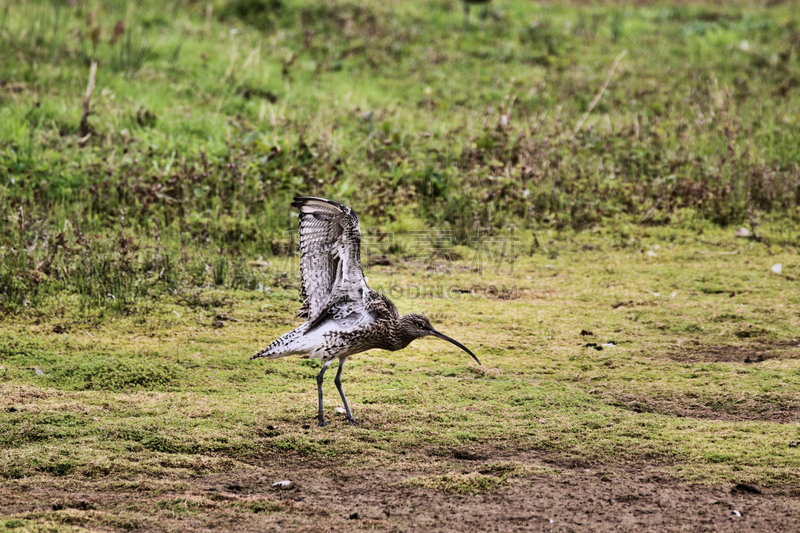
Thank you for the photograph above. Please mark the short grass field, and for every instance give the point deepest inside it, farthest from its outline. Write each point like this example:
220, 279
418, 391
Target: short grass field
158, 421
600, 199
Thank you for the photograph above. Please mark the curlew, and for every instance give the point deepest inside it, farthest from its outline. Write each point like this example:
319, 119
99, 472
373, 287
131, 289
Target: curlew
343, 315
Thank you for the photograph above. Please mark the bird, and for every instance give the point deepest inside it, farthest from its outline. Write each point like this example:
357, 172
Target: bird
343, 315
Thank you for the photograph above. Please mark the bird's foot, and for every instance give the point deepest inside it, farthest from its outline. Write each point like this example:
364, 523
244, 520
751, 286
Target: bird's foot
321, 421
353, 421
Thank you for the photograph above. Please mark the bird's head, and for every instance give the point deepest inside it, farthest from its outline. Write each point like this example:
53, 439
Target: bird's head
416, 326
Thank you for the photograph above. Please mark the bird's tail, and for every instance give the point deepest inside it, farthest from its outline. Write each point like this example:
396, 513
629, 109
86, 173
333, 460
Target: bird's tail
283, 346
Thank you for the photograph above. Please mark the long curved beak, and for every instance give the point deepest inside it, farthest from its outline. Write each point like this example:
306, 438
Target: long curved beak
448, 339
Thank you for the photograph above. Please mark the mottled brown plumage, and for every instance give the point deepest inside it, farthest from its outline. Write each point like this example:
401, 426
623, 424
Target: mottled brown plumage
343, 315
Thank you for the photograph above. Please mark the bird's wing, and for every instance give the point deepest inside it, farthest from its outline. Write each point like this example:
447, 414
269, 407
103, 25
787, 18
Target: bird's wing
382, 307
330, 263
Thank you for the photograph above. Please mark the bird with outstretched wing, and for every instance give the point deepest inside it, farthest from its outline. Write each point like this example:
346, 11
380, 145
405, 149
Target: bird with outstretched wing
343, 315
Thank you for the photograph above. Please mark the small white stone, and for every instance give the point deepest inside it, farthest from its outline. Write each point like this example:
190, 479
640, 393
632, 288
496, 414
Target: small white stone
340, 410
736, 513
283, 485
777, 268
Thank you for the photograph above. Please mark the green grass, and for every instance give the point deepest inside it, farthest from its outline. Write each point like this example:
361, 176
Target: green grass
208, 117
153, 400
166, 390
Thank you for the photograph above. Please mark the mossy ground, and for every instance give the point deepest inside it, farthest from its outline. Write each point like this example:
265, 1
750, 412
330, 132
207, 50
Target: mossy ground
162, 399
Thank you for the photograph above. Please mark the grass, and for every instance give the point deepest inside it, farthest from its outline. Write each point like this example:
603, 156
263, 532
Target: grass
164, 396
208, 117
143, 261
165, 389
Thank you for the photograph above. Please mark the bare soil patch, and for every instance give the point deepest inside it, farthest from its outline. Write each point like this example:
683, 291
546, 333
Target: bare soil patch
723, 407
329, 497
738, 353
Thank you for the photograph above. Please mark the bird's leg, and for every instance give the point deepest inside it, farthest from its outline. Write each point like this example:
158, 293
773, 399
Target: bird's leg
338, 381
320, 414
